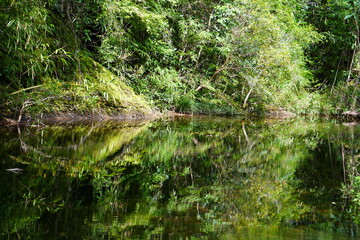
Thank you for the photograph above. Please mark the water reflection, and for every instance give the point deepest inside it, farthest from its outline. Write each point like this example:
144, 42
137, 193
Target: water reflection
189, 178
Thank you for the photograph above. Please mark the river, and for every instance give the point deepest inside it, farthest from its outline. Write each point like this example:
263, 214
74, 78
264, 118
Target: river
181, 178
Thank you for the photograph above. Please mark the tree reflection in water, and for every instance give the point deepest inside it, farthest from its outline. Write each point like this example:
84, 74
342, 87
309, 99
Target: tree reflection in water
199, 178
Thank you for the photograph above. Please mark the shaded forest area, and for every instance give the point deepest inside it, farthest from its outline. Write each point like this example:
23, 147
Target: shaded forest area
199, 56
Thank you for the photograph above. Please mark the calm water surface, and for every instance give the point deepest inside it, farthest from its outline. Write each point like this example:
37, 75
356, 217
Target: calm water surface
185, 178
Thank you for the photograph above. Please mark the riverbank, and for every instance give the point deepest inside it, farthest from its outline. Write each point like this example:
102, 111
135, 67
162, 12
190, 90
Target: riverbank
62, 117
117, 58
101, 115
95, 94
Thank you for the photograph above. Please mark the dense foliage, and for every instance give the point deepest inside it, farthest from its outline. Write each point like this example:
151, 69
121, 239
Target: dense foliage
335, 60
198, 56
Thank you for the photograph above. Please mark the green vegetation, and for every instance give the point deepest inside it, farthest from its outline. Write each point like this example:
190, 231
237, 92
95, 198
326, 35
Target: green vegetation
335, 60
212, 57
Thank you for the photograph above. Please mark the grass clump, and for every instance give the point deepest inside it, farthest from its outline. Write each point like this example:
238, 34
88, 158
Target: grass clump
95, 90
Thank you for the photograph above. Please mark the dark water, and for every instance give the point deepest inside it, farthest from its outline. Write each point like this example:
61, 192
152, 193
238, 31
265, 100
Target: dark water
188, 178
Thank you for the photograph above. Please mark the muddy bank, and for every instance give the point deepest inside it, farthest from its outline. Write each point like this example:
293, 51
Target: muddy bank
70, 117
61, 118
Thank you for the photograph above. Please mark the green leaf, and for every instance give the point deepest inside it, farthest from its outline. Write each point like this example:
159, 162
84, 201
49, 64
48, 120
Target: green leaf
348, 16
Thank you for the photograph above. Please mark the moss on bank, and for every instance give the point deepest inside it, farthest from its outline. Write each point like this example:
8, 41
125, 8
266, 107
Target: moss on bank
94, 91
